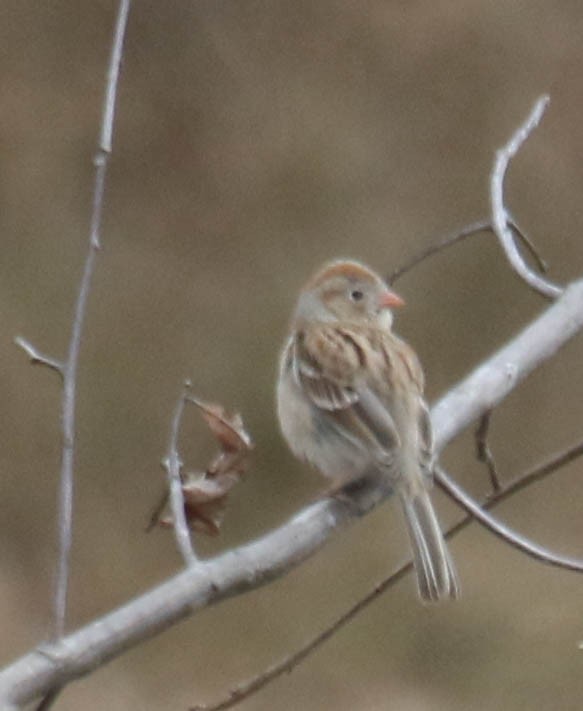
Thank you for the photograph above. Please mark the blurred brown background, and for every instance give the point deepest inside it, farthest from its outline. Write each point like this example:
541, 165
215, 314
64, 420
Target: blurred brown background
253, 141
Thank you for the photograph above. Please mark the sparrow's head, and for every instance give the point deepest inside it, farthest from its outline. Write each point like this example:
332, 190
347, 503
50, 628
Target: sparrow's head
347, 291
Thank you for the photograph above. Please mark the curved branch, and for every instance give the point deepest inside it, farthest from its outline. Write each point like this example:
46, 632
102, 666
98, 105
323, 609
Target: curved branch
278, 552
505, 533
500, 218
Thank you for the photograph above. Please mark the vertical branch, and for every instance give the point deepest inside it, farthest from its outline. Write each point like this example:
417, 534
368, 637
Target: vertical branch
70, 367
173, 465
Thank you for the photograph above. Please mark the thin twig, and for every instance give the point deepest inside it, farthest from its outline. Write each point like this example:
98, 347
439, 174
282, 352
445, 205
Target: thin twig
49, 700
560, 459
483, 451
70, 366
520, 234
38, 358
157, 511
173, 465
500, 216
516, 540
248, 688
475, 228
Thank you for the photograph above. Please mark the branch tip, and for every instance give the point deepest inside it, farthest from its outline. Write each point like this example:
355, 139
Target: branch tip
500, 216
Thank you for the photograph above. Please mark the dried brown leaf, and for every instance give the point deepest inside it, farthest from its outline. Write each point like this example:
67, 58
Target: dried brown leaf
227, 427
206, 493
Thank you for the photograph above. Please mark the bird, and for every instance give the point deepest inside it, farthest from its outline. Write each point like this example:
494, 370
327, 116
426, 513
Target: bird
350, 403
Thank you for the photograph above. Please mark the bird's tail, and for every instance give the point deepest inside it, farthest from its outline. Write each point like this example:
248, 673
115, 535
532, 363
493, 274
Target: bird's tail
436, 575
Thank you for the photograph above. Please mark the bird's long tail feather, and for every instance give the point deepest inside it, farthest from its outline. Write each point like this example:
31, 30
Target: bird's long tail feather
436, 575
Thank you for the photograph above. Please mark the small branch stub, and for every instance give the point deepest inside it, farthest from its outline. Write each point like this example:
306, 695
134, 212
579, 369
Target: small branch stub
38, 358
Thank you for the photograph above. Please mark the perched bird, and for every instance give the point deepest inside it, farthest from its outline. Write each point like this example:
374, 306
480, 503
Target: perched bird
350, 402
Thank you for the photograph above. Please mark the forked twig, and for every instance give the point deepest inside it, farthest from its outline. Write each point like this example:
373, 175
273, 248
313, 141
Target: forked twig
248, 688
500, 218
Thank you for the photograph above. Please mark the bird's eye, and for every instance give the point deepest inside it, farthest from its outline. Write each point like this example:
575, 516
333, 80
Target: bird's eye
356, 295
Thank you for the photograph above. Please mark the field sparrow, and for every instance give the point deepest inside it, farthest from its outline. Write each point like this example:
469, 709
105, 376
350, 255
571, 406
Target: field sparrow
350, 402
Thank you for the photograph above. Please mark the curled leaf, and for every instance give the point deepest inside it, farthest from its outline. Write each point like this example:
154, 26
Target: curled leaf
206, 492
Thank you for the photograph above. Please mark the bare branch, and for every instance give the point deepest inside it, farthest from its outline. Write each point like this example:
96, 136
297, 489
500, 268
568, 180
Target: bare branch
560, 459
499, 529
71, 364
500, 218
290, 662
521, 235
483, 451
38, 358
475, 228
154, 519
173, 465
278, 552
449, 240
106, 134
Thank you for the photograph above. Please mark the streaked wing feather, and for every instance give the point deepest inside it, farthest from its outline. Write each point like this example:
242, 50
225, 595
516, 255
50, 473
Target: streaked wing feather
354, 408
426, 451
323, 391
377, 419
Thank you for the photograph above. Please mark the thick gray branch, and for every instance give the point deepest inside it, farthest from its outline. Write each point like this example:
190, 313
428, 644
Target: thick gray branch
278, 552
491, 382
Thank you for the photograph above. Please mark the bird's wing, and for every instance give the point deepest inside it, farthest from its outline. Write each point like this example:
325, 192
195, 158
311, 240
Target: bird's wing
411, 369
335, 384
426, 451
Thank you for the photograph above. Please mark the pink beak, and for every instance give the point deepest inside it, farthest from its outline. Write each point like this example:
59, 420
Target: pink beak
390, 300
